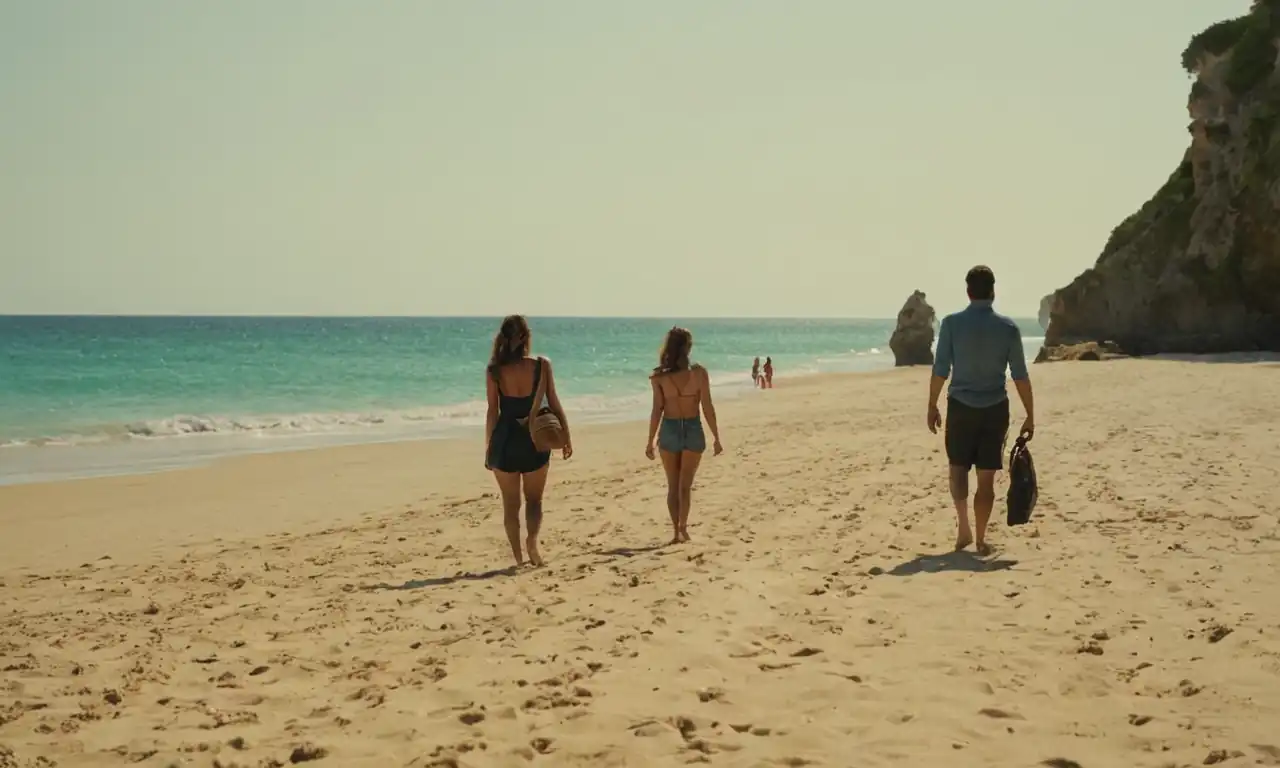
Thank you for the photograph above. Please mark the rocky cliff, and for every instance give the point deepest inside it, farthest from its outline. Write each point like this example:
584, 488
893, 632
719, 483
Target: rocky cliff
1197, 268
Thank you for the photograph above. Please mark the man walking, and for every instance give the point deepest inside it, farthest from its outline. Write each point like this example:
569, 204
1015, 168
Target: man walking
975, 346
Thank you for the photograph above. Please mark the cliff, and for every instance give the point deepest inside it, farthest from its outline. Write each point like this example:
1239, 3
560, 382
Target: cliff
1197, 268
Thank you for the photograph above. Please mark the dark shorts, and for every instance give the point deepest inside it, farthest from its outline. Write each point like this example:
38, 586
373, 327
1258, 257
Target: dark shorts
679, 435
511, 450
976, 436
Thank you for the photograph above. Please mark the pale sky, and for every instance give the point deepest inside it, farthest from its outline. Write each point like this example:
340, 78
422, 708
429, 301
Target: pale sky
597, 157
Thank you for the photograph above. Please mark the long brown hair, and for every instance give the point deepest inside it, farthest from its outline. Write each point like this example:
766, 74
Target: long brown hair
511, 343
675, 351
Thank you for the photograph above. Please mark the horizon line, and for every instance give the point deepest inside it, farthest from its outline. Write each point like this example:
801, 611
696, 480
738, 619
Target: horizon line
344, 316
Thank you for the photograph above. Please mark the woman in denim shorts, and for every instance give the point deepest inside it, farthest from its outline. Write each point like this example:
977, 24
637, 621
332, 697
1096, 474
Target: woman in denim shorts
680, 391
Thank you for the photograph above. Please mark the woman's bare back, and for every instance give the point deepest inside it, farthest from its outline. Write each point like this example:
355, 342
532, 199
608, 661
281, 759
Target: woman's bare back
682, 392
516, 379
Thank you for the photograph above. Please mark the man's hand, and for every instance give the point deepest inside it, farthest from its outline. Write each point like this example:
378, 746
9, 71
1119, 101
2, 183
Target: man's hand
1028, 428
934, 418
717, 447
648, 451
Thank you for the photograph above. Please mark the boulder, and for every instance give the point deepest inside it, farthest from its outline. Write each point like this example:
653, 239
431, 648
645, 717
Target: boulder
1089, 350
912, 340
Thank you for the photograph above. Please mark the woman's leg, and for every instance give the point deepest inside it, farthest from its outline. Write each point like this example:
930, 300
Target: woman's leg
534, 484
509, 484
671, 465
689, 461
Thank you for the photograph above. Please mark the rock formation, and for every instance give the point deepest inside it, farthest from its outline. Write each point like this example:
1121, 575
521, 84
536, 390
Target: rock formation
1046, 306
1089, 350
1197, 268
912, 340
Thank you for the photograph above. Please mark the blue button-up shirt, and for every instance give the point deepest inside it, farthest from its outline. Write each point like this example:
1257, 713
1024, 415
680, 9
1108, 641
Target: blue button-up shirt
977, 344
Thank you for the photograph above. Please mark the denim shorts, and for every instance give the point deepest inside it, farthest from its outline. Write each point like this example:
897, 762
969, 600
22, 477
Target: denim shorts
677, 435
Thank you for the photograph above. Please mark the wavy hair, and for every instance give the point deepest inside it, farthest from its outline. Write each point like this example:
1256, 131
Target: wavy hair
675, 351
512, 343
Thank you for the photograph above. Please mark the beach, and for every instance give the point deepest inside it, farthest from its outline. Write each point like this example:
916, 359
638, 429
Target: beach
349, 606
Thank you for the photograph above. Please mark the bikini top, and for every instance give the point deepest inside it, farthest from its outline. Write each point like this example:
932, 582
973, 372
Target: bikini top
680, 393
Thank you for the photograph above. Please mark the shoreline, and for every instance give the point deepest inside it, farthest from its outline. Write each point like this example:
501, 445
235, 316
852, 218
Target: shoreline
138, 455
26, 462
367, 475
373, 477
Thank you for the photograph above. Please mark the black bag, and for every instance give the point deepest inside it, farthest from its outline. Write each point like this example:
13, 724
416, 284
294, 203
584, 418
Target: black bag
1023, 490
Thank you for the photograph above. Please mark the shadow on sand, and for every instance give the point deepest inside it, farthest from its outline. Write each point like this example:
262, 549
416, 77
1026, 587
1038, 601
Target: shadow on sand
1268, 359
951, 561
444, 580
629, 551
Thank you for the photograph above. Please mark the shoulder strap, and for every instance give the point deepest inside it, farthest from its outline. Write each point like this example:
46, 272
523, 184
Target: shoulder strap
695, 371
539, 386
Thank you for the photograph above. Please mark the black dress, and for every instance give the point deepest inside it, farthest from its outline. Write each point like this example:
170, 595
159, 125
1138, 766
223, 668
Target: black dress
511, 447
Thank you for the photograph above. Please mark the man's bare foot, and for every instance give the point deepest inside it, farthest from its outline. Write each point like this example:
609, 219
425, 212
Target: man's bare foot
963, 540
984, 548
535, 557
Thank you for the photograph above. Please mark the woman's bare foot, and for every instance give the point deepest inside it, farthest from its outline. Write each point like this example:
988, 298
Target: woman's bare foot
683, 535
675, 538
984, 548
964, 539
535, 557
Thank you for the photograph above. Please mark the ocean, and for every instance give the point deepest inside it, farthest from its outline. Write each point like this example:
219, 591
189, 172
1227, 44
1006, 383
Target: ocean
84, 396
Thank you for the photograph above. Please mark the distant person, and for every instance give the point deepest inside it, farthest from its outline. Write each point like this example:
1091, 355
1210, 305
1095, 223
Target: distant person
679, 389
511, 380
768, 374
977, 344
755, 373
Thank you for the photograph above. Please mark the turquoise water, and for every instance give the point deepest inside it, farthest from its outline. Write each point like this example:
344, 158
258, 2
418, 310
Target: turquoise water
110, 381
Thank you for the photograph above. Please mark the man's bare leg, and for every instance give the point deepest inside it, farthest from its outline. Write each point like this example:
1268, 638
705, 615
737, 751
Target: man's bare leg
984, 499
960, 495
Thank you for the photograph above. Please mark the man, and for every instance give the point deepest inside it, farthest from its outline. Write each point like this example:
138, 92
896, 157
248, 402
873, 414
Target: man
976, 344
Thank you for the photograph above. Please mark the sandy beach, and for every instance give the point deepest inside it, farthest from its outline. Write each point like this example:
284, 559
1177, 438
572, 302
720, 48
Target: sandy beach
349, 607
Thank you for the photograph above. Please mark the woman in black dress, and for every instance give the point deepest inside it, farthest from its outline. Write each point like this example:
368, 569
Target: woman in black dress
511, 382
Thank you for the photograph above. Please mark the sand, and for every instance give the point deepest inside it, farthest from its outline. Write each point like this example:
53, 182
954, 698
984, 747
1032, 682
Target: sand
347, 607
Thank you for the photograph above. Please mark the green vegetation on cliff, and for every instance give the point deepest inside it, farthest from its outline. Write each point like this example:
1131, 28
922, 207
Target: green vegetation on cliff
1250, 41
1171, 208
1216, 40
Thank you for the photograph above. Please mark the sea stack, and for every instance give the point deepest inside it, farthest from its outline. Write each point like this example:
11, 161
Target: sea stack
912, 340
1197, 268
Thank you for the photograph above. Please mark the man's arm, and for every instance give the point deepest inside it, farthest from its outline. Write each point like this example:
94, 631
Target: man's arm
1022, 381
941, 370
